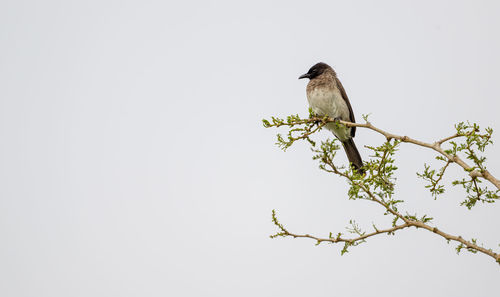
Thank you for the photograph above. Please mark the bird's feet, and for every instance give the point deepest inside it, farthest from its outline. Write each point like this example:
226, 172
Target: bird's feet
337, 119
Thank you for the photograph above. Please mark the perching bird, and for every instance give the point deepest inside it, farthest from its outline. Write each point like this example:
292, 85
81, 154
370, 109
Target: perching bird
327, 97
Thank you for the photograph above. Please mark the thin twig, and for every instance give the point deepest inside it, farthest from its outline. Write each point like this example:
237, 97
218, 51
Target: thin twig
448, 138
441, 174
350, 240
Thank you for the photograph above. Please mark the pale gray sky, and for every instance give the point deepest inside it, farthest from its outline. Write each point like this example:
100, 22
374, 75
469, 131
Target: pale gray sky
134, 163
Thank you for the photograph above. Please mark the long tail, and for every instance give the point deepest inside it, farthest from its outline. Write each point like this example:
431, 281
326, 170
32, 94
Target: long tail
353, 155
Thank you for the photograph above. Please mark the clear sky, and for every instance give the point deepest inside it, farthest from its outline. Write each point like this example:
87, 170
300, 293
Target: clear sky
133, 161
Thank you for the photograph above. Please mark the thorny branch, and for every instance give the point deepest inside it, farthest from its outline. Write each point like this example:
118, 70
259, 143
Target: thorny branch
471, 246
377, 185
436, 146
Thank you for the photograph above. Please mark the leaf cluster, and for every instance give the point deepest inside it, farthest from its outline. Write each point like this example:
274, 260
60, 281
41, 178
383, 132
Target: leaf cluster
470, 141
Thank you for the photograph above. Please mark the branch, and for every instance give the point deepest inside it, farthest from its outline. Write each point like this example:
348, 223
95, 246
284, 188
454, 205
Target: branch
408, 220
377, 183
351, 240
408, 223
436, 146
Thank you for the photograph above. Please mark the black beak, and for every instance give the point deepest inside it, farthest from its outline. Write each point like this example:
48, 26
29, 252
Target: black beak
304, 76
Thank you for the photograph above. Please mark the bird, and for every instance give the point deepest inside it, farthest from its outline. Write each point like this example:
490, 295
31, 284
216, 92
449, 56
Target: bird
327, 97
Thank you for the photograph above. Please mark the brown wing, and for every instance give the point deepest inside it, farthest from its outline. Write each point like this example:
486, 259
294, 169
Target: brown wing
346, 99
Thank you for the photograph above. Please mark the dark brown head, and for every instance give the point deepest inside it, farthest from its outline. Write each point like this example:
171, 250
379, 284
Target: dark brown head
316, 70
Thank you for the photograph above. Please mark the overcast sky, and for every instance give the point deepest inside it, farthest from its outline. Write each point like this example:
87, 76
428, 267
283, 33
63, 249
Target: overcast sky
133, 161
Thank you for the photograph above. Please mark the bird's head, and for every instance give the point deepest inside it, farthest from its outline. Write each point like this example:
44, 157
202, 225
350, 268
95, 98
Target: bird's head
316, 70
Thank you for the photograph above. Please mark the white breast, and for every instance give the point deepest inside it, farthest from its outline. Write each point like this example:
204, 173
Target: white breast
329, 101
